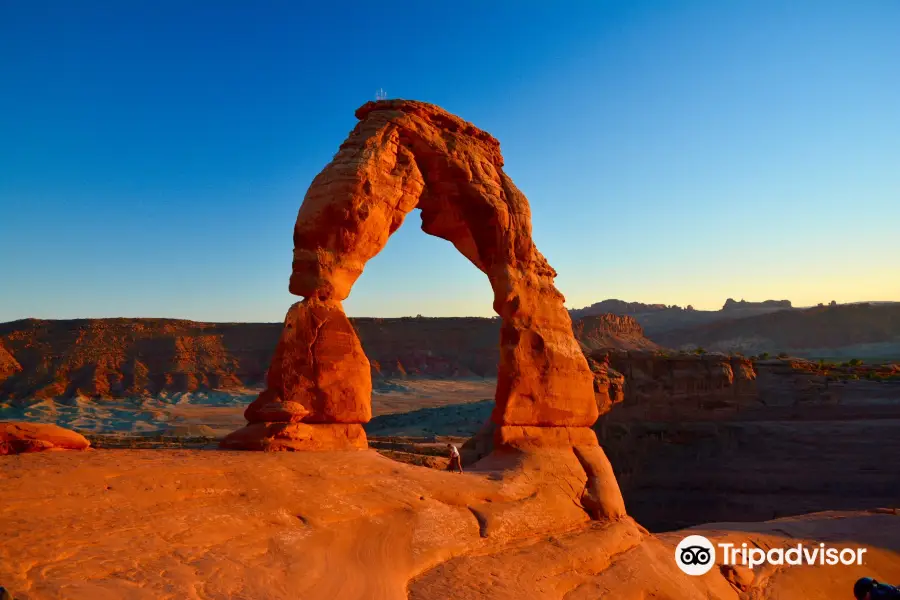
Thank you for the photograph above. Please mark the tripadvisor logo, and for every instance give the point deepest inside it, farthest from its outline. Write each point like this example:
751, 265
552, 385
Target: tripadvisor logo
696, 555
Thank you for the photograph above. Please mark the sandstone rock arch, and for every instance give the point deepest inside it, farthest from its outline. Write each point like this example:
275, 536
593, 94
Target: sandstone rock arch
400, 156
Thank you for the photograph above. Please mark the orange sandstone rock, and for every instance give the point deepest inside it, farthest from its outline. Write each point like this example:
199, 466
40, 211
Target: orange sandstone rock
404, 155
602, 496
272, 437
319, 374
529, 438
21, 437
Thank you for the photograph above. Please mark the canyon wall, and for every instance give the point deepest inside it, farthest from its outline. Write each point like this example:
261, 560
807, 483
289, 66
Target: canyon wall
715, 438
112, 358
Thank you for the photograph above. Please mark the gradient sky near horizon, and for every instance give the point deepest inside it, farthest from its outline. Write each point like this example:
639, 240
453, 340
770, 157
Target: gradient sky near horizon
153, 154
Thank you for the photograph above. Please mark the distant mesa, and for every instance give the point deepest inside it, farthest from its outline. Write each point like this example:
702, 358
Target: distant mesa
731, 304
841, 331
657, 319
618, 307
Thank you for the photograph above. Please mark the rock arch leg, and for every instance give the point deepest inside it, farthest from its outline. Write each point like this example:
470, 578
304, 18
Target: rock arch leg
318, 387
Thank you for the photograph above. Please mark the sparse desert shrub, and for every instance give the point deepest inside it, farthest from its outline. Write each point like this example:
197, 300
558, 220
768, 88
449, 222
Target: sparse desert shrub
782, 355
699, 350
764, 355
854, 362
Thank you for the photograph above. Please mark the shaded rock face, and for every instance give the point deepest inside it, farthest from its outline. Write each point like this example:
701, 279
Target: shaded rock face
609, 385
850, 331
8, 364
659, 385
782, 438
20, 437
405, 155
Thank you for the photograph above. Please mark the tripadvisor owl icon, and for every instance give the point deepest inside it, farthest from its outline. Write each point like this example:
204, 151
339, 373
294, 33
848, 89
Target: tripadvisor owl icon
695, 555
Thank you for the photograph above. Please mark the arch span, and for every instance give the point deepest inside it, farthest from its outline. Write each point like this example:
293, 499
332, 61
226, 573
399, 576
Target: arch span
400, 156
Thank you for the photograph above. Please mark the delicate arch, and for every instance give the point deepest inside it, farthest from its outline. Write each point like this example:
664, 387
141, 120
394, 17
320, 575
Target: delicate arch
404, 155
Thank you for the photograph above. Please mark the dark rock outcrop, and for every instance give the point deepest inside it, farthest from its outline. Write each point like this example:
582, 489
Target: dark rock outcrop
731, 304
717, 438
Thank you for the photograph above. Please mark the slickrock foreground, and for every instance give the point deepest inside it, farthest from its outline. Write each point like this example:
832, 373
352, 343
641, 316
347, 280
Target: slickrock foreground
405, 155
167, 525
17, 437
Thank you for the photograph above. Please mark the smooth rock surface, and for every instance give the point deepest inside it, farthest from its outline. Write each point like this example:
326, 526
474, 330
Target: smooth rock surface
18, 437
209, 525
274, 437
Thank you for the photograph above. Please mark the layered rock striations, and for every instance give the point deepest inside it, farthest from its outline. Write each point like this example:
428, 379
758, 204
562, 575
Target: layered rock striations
405, 155
659, 385
120, 358
318, 387
716, 438
116, 358
611, 332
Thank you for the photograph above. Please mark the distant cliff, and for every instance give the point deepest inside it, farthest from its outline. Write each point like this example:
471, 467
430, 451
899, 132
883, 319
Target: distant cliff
617, 307
611, 332
111, 358
730, 304
657, 319
845, 330
700, 438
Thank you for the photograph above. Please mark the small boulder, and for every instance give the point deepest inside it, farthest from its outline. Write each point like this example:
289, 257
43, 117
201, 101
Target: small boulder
17, 437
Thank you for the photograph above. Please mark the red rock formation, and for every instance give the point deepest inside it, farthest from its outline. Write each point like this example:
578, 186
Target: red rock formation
21, 437
272, 437
115, 358
658, 385
611, 332
320, 373
609, 385
8, 364
405, 155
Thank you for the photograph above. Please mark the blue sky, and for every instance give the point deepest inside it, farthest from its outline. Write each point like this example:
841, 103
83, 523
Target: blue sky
153, 154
